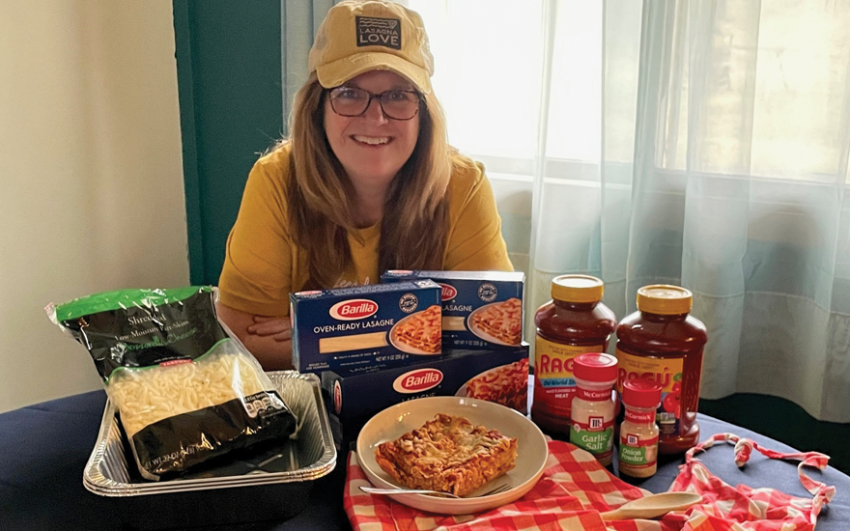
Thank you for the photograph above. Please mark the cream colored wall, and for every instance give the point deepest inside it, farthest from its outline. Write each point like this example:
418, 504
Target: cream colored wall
91, 180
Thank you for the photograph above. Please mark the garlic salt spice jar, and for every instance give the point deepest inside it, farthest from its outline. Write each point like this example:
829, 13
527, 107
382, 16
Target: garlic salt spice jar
592, 422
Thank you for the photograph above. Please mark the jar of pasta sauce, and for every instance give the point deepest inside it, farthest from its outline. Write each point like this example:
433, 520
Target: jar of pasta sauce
572, 323
662, 343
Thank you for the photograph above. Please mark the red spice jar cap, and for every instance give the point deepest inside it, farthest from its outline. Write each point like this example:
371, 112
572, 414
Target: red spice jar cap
595, 367
641, 392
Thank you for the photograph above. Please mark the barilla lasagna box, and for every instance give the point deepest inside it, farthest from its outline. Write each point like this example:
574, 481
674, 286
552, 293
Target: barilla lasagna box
481, 309
497, 375
365, 328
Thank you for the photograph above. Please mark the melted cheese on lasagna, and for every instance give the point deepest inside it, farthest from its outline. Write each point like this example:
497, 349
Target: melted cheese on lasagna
448, 454
502, 321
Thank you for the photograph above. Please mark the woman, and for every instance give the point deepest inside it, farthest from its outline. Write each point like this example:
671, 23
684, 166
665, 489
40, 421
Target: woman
366, 182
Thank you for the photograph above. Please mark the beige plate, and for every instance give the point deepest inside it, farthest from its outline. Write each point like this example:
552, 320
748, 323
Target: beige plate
394, 421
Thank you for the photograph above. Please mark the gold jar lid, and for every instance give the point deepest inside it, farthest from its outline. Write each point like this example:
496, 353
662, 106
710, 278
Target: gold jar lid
577, 288
663, 299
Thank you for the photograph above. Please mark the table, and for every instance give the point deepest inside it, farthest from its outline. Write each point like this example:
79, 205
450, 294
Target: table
44, 449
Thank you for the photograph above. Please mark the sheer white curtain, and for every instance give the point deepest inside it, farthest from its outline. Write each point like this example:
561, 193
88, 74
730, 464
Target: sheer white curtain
696, 142
299, 22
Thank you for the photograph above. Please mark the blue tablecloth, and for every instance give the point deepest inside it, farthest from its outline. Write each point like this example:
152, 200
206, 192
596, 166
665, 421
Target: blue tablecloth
44, 449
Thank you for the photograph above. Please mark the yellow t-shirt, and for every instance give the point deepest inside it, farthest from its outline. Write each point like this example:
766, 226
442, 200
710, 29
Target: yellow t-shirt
263, 263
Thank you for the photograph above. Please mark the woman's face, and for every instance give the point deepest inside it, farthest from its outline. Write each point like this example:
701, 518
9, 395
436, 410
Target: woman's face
371, 147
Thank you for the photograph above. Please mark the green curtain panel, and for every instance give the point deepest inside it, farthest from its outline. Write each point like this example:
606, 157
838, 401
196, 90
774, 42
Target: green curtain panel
229, 81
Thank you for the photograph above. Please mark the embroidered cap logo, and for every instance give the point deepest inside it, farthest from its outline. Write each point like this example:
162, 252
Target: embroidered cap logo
374, 31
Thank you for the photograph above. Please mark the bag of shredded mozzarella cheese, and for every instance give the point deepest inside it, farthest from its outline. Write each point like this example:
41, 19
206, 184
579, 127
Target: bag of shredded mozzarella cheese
186, 391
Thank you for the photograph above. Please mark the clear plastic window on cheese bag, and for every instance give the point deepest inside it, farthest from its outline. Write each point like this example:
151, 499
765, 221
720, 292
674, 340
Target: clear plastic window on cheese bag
186, 391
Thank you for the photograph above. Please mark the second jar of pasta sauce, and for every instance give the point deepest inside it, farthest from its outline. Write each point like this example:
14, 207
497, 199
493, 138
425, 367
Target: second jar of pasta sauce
572, 323
662, 343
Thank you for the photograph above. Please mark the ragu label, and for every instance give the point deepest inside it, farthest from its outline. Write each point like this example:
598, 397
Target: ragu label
418, 381
555, 365
353, 309
554, 385
449, 292
554, 361
665, 372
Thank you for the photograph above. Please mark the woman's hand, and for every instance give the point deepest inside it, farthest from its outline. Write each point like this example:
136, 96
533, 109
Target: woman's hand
279, 328
267, 338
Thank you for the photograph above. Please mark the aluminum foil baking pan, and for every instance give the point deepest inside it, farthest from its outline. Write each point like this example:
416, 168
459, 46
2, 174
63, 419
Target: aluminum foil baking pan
309, 455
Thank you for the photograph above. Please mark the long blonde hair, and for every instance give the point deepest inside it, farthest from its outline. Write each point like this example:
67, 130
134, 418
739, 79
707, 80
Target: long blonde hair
414, 227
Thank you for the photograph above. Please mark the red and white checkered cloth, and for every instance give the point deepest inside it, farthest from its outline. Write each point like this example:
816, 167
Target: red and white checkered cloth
575, 488
744, 508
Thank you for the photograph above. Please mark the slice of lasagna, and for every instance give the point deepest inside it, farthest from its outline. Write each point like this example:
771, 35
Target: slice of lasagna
422, 331
502, 321
447, 454
506, 385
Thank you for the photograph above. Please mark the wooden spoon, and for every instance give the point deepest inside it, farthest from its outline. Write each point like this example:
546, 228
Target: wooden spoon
653, 505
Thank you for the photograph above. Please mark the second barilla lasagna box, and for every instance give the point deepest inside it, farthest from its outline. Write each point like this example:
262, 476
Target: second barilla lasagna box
498, 375
365, 328
481, 309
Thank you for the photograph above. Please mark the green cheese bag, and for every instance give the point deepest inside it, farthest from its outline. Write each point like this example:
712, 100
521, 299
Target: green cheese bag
186, 392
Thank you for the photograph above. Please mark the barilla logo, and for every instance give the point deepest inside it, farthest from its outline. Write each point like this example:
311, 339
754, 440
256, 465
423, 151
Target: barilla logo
353, 309
418, 381
449, 292
664, 378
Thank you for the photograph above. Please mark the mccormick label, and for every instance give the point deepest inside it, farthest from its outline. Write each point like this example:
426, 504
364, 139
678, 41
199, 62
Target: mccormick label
481, 309
594, 434
366, 328
499, 375
638, 453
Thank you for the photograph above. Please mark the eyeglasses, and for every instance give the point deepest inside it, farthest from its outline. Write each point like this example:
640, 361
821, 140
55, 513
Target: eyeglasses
396, 104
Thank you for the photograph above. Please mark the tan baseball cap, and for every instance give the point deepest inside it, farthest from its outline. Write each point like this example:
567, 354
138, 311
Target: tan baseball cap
359, 36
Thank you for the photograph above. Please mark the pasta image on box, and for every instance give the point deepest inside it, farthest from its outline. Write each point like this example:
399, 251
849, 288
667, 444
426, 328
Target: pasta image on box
496, 375
481, 309
365, 328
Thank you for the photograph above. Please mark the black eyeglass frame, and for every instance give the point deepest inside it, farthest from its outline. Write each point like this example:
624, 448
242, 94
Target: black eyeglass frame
379, 97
